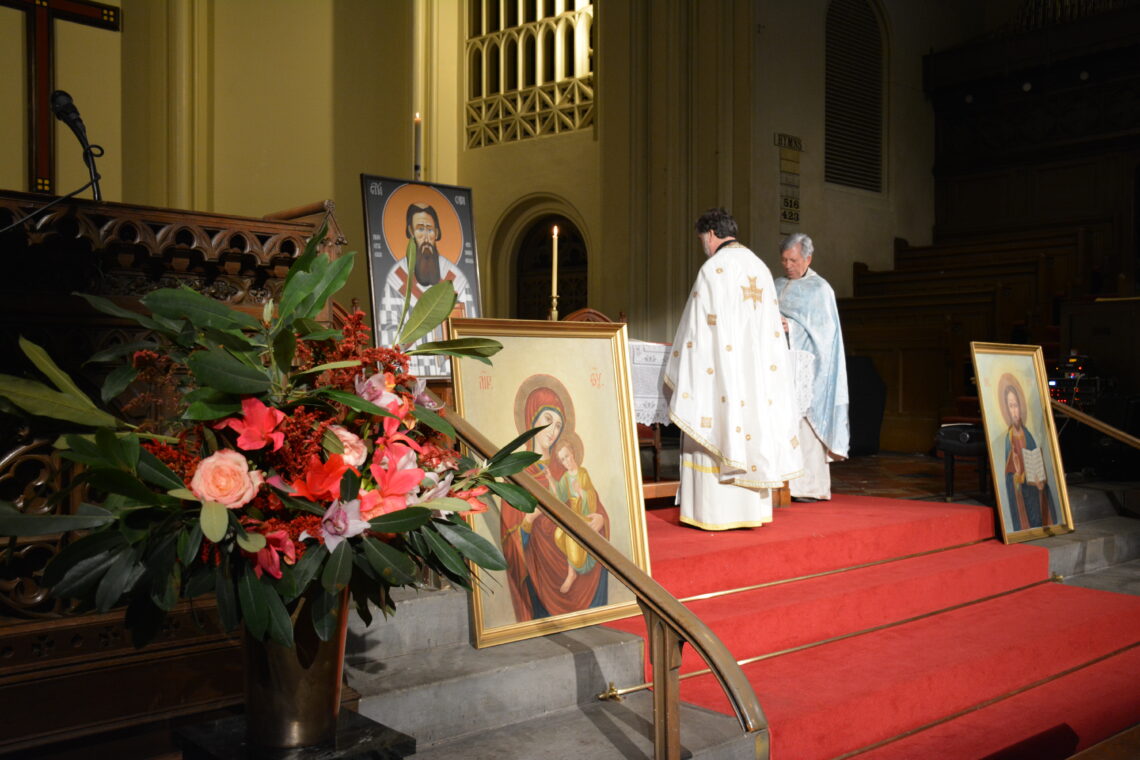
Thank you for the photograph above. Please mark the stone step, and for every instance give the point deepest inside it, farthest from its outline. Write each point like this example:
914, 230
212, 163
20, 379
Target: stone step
1094, 545
1096, 501
425, 619
457, 691
600, 731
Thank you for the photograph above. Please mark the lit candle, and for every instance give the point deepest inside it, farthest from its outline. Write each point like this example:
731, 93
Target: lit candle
418, 151
554, 267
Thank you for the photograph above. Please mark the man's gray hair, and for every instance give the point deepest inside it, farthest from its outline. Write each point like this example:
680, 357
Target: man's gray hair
800, 239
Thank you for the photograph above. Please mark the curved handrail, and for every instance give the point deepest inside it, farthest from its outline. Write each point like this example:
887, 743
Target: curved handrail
1096, 424
651, 595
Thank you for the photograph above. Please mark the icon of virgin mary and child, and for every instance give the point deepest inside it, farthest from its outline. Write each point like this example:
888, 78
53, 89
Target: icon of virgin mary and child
548, 572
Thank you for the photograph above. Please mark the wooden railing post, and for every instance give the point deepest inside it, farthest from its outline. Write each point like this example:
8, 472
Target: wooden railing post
665, 658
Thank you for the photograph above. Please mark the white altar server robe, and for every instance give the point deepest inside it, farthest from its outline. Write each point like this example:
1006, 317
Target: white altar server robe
731, 377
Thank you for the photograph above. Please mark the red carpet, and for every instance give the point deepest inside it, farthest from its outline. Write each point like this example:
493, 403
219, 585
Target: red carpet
976, 652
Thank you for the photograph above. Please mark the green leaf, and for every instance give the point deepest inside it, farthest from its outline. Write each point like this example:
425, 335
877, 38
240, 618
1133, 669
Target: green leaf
250, 542
122, 453
433, 420
430, 310
410, 267
327, 333
401, 521
473, 546
279, 625
324, 608
284, 346
189, 543
327, 366
444, 551
522, 438
254, 609
117, 580
89, 546
118, 380
13, 522
205, 411
202, 311
58, 377
154, 471
82, 448
121, 350
349, 485
307, 567
476, 348
36, 398
338, 569
226, 597
447, 503
82, 577
120, 482
331, 279
517, 496
305, 261
352, 401
512, 463
393, 565
235, 340
214, 521
201, 581
220, 369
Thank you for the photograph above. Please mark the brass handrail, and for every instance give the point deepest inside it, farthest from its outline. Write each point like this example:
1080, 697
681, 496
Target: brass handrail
669, 623
1096, 424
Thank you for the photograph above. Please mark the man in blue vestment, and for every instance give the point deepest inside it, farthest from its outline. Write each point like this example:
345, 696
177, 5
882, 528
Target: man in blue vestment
811, 321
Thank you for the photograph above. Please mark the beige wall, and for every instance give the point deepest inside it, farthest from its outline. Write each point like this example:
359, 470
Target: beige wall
846, 224
250, 106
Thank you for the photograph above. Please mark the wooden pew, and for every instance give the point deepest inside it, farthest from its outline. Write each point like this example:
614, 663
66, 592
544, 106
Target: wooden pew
920, 345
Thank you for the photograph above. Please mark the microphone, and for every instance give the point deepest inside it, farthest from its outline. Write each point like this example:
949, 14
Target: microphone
64, 109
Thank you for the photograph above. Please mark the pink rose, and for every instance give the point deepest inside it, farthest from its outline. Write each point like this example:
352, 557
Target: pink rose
354, 450
225, 477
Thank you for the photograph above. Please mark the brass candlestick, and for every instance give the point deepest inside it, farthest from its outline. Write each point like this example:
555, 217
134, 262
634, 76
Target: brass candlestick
553, 316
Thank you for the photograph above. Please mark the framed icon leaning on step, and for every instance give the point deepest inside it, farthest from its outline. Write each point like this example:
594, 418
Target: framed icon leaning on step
1025, 459
572, 379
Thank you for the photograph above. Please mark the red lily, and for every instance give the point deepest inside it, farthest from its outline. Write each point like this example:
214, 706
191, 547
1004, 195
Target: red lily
278, 546
257, 427
322, 479
392, 486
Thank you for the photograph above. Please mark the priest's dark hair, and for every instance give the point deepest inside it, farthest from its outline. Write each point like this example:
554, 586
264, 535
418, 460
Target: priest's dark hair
423, 208
719, 221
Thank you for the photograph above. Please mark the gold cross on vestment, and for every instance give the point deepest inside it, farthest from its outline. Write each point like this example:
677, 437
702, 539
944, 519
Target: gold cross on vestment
753, 293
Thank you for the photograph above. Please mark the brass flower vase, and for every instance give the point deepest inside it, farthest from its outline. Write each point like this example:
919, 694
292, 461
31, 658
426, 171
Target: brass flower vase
292, 694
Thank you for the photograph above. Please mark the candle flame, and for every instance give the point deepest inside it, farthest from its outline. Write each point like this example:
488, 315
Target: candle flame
417, 115
556, 230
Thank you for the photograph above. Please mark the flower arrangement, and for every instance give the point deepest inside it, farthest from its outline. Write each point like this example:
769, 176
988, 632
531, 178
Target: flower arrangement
302, 463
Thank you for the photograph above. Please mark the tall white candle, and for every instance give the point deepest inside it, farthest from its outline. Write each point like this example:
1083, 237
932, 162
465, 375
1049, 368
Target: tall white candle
554, 266
418, 150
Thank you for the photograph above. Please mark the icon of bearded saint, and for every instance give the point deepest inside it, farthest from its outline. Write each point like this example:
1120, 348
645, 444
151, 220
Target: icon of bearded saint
423, 234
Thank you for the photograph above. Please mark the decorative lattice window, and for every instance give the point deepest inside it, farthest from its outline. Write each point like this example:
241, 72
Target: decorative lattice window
853, 101
530, 69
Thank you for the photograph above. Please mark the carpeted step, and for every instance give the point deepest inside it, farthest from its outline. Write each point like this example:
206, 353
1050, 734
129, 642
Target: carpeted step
829, 700
805, 539
770, 619
600, 731
1047, 722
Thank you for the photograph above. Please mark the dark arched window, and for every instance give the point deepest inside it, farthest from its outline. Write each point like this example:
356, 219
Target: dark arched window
533, 269
853, 100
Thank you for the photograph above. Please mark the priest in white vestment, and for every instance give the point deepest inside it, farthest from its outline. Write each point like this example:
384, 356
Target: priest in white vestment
732, 396
811, 319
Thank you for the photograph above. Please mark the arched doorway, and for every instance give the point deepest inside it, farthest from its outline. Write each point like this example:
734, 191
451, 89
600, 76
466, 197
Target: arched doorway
532, 269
